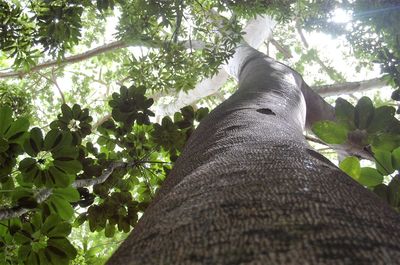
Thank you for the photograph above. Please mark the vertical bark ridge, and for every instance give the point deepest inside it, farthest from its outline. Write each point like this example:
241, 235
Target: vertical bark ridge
247, 191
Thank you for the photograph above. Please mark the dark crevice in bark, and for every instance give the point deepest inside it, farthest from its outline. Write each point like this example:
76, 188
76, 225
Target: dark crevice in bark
266, 111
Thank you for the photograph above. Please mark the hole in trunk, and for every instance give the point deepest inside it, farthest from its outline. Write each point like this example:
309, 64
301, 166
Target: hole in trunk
266, 111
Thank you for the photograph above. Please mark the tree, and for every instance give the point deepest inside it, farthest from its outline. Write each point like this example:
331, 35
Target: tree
79, 166
248, 188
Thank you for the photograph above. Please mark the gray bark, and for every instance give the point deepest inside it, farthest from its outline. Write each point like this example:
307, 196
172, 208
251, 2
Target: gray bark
249, 190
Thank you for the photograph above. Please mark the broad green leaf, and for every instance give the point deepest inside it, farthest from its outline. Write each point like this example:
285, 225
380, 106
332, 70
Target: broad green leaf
382, 191
17, 129
3, 145
70, 166
5, 118
34, 144
330, 132
70, 194
56, 256
383, 117
50, 223
363, 113
33, 258
109, 230
370, 177
344, 113
384, 162
394, 189
63, 245
66, 111
385, 142
351, 166
52, 139
60, 206
61, 179
62, 229
396, 158
23, 251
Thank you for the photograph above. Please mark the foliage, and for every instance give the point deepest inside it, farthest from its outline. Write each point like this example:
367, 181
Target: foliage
63, 175
55, 161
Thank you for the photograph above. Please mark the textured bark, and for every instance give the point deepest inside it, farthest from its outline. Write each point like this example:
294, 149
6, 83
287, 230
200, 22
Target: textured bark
248, 190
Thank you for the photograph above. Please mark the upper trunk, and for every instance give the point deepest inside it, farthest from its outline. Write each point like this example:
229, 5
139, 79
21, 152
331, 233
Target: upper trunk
247, 188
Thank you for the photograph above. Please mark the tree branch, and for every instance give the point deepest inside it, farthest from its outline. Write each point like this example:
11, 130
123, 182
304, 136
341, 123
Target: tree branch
68, 60
16, 211
318, 60
257, 31
349, 87
286, 52
119, 44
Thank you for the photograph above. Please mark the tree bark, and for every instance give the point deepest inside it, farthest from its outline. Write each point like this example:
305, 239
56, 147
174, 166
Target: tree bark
249, 190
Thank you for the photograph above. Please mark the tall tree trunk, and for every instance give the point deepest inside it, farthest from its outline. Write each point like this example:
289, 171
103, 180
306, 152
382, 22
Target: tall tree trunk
248, 189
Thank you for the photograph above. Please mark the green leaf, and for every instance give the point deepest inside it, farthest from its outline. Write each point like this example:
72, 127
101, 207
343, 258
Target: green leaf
52, 139
62, 229
3, 145
5, 118
396, 158
351, 166
363, 113
70, 194
370, 177
34, 144
330, 132
382, 191
394, 189
61, 179
50, 223
66, 111
384, 162
109, 230
383, 117
70, 166
344, 113
63, 245
60, 206
17, 129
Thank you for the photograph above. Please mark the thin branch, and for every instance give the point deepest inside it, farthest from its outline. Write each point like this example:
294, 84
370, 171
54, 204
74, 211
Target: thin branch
16, 211
54, 80
119, 44
349, 87
101, 121
318, 60
286, 52
68, 60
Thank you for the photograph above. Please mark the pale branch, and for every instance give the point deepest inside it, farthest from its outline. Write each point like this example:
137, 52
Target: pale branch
350, 87
256, 32
101, 121
43, 194
119, 44
54, 80
317, 59
68, 60
286, 52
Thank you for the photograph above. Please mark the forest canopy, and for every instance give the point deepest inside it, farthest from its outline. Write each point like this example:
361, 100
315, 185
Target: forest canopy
98, 98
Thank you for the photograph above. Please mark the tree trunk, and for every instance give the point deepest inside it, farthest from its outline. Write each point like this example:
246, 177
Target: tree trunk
248, 189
